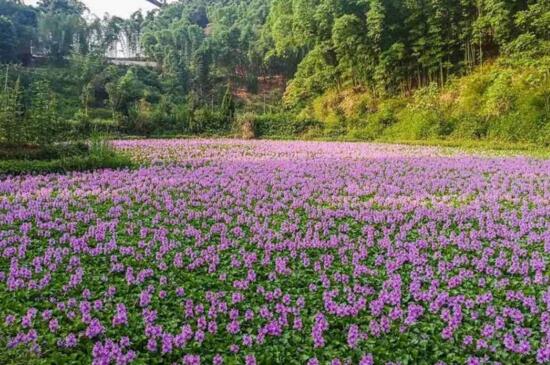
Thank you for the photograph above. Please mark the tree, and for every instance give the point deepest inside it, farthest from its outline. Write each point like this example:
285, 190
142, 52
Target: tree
124, 93
62, 29
13, 127
17, 31
316, 73
376, 16
8, 39
228, 107
533, 26
43, 121
349, 44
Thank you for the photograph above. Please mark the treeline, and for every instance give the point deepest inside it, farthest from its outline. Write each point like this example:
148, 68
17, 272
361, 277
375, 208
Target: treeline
394, 46
319, 68
389, 46
56, 29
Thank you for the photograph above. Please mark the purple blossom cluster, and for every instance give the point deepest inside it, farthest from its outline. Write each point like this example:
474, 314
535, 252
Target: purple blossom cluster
222, 251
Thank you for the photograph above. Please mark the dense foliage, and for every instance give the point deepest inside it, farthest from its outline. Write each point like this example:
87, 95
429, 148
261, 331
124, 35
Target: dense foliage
28, 118
368, 69
17, 30
502, 102
202, 43
98, 156
227, 252
396, 46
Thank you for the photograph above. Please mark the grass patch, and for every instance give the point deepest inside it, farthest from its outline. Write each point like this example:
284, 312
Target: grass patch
477, 146
42, 153
99, 155
490, 147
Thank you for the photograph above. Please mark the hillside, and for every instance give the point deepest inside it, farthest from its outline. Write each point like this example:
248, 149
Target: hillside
354, 69
502, 101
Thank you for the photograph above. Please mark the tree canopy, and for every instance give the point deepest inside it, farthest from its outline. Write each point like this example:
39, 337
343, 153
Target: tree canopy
298, 50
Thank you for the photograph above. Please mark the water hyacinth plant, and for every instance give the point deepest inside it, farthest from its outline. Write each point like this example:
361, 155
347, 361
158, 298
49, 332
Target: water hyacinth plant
234, 252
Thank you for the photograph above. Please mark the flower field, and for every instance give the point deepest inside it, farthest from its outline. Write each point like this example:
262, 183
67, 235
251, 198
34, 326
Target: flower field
231, 252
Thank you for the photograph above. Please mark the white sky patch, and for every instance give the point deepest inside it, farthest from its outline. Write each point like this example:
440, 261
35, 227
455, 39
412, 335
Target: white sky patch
121, 8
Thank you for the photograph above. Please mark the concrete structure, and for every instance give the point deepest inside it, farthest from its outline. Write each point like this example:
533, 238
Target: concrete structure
132, 62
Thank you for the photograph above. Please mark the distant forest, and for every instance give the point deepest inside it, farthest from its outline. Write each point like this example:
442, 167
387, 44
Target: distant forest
358, 69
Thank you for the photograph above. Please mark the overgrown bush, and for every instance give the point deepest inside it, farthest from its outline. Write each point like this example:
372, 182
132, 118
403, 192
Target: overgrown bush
13, 124
98, 154
281, 125
78, 163
370, 125
208, 121
48, 152
170, 117
30, 121
246, 124
504, 101
138, 118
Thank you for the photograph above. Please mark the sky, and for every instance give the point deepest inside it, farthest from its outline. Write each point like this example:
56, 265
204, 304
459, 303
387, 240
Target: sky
122, 8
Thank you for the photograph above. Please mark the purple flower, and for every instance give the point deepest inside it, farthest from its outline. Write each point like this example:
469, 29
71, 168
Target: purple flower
414, 312
367, 360
152, 345
289, 236
144, 299
233, 327
543, 355
10, 319
167, 343
320, 325
218, 360
94, 329
121, 316
250, 360
247, 340
354, 335
53, 325
192, 359
70, 341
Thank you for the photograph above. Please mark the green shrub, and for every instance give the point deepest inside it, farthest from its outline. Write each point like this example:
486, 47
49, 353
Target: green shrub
66, 149
373, 124
30, 121
470, 127
246, 125
202, 119
83, 126
45, 126
13, 125
168, 117
49, 152
207, 121
362, 134
103, 126
282, 124
100, 113
414, 124
424, 117
99, 155
180, 115
507, 101
251, 83
79, 163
